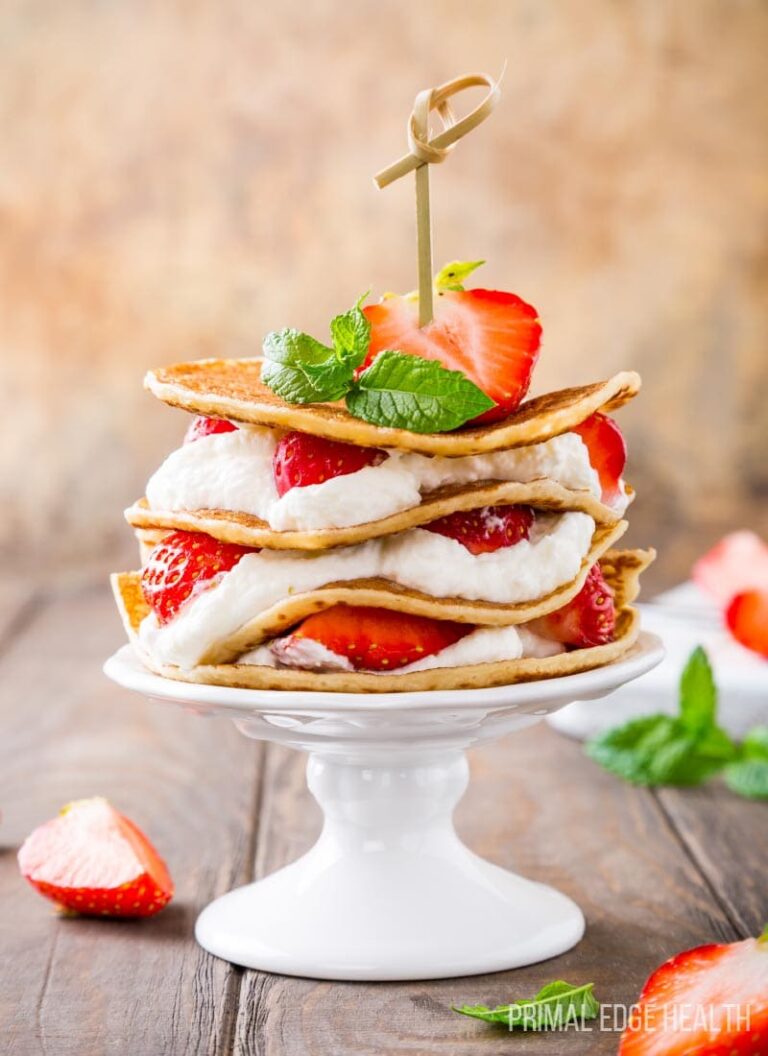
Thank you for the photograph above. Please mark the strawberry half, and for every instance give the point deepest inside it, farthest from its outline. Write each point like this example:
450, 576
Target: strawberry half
201, 426
738, 563
747, 619
379, 639
487, 528
183, 564
588, 619
710, 1001
301, 459
607, 452
94, 861
490, 336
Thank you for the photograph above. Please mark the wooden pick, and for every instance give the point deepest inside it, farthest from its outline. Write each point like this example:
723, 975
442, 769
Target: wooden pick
424, 152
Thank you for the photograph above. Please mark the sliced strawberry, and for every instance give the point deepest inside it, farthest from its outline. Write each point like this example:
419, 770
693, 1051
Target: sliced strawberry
487, 528
490, 336
747, 619
94, 861
201, 426
301, 459
607, 452
710, 1001
588, 619
181, 565
737, 563
379, 639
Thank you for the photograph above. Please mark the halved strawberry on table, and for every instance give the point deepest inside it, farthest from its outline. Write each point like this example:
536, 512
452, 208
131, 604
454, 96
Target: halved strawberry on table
490, 336
181, 565
300, 460
487, 528
201, 426
747, 619
94, 861
588, 619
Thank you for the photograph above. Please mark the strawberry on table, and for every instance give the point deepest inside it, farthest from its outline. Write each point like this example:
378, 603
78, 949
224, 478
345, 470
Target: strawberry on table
379, 639
201, 426
94, 861
738, 563
747, 619
709, 1001
487, 528
181, 565
301, 459
607, 452
490, 336
588, 619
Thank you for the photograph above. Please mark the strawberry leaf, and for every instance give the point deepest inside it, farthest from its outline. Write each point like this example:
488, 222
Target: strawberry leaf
452, 276
556, 1006
407, 392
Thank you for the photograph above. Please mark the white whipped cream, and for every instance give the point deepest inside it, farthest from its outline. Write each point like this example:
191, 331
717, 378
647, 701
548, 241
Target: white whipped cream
233, 471
418, 559
485, 645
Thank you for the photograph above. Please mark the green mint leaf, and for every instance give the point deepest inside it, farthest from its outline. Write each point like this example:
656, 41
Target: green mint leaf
628, 751
407, 392
300, 369
755, 744
452, 276
748, 778
351, 333
698, 694
555, 1007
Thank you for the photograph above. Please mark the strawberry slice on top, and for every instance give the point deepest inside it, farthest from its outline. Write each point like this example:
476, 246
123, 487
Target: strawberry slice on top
588, 619
490, 336
201, 426
607, 452
486, 529
379, 639
300, 460
181, 565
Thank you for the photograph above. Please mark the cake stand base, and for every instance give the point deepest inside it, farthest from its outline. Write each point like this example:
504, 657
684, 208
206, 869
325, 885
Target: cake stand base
389, 891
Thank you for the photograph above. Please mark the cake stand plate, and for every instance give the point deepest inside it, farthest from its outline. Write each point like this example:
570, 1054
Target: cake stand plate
388, 891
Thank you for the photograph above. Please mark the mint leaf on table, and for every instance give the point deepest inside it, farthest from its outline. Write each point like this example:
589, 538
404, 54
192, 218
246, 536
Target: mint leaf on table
407, 392
555, 1006
698, 692
755, 744
452, 276
748, 778
351, 333
300, 369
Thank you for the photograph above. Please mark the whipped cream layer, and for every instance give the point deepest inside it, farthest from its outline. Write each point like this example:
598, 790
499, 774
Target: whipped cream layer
233, 471
418, 559
485, 645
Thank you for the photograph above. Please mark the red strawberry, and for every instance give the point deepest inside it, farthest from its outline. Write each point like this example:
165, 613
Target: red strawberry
747, 620
607, 451
94, 861
201, 426
487, 528
588, 619
710, 1001
379, 639
737, 563
301, 459
181, 565
490, 336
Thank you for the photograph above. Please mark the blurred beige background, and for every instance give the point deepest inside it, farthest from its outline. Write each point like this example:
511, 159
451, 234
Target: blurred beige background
179, 178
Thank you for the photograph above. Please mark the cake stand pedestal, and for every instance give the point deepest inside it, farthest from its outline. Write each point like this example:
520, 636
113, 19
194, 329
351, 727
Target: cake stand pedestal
389, 891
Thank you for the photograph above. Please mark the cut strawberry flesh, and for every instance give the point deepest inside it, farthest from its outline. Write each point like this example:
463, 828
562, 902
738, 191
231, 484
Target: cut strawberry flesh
181, 565
607, 452
490, 336
747, 619
486, 528
301, 460
379, 639
588, 619
94, 861
738, 563
201, 426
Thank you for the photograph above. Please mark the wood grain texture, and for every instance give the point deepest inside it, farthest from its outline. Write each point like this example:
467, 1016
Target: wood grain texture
180, 178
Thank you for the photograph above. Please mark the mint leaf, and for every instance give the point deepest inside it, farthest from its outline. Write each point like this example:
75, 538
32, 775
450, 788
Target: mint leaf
698, 694
554, 1007
755, 744
628, 751
748, 778
407, 392
452, 276
300, 369
351, 333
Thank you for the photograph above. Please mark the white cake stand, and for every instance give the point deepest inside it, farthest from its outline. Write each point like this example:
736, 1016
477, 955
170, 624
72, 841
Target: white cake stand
388, 891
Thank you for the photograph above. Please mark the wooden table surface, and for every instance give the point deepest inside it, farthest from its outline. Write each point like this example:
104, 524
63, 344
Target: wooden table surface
654, 872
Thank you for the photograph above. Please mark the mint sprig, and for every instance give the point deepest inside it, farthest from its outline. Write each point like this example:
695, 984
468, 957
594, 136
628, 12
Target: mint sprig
688, 748
397, 390
556, 1006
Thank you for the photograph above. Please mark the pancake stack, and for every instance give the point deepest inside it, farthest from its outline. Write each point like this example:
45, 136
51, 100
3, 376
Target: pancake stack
244, 624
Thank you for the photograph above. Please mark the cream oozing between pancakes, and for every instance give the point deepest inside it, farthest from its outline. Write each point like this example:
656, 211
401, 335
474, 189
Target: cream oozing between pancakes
416, 559
233, 471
